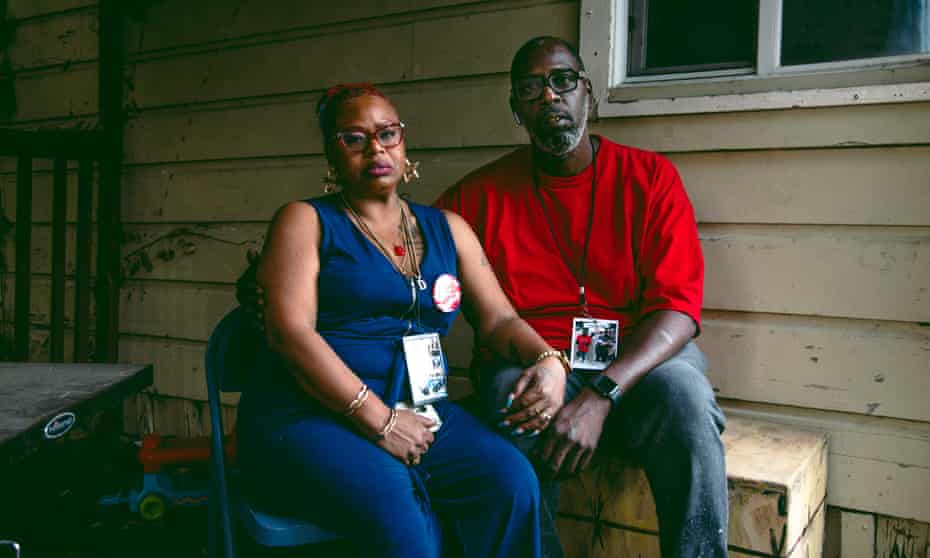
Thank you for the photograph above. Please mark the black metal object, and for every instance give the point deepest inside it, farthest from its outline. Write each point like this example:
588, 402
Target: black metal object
59, 238
23, 256
112, 117
51, 144
82, 261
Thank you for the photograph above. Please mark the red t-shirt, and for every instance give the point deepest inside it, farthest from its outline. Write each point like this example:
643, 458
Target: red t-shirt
644, 253
583, 342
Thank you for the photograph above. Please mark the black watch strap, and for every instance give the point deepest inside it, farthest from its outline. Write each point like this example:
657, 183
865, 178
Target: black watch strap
606, 388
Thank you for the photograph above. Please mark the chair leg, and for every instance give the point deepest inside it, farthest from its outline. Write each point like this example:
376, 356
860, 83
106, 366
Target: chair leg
219, 543
213, 521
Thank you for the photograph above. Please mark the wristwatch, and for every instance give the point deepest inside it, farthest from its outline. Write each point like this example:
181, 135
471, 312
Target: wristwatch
606, 388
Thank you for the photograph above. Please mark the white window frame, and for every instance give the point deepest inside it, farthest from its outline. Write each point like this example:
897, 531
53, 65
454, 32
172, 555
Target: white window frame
603, 30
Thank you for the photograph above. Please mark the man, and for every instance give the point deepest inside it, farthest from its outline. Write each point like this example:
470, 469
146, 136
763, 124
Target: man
583, 344
535, 211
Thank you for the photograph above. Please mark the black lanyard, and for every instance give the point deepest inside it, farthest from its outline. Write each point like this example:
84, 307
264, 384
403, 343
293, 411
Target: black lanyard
582, 300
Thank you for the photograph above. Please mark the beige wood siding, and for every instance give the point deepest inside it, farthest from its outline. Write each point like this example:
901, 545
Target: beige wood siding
815, 222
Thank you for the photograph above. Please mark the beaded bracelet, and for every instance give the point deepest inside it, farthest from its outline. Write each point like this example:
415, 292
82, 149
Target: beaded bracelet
358, 401
557, 354
389, 427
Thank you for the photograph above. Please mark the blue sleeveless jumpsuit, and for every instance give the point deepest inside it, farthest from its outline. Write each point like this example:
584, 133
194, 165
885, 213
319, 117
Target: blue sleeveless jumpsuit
472, 490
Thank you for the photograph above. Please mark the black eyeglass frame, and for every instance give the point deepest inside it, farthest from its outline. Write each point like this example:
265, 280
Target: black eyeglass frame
340, 134
579, 75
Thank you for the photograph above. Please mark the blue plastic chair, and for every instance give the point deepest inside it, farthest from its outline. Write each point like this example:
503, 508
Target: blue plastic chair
230, 358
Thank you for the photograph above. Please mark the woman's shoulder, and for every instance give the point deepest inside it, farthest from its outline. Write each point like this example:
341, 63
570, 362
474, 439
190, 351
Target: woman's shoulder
295, 216
324, 203
454, 219
297, 209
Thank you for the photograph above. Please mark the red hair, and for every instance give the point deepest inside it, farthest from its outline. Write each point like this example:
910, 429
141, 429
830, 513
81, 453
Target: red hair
329, 104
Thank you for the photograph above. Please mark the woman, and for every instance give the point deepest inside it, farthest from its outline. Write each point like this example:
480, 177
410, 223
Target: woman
348, 278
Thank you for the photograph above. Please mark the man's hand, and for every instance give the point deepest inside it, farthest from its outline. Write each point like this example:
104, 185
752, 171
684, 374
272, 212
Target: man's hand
536, 398
570, 441
250, 294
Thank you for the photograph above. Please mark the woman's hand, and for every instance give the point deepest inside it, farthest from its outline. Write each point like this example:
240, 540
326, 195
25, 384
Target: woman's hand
410, 438
537, 396
540, 391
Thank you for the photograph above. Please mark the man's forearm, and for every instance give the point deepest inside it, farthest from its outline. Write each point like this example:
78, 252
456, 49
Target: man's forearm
656, 339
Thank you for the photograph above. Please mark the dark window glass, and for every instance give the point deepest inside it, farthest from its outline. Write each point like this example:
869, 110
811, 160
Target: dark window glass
834, 30
692, 36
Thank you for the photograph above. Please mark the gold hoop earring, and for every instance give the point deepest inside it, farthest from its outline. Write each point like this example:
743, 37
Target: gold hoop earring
330, 182
411, 171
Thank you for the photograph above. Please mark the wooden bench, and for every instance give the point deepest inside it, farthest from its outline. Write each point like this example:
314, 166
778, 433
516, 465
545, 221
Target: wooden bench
777, 480
777, 477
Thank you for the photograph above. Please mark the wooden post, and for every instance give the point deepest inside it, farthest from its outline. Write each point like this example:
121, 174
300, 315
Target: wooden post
23, 257
108, 213
82, 262
59, 224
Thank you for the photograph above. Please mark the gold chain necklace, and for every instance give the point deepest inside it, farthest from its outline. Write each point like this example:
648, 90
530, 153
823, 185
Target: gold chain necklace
409, 255
411, 249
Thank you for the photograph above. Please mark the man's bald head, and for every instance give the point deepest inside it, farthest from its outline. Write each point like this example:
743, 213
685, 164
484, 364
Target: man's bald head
522, 57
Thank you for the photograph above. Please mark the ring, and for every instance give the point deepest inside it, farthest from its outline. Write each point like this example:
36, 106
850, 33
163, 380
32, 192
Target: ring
546, 417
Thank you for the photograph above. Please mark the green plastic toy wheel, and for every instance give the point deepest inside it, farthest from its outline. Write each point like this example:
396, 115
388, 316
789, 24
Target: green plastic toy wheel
152, 507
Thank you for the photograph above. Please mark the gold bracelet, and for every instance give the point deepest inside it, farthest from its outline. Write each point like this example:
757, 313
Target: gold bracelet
358, 401
389, 427
559, 355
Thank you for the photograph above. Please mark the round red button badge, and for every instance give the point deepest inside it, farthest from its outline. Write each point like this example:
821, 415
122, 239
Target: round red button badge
447, 292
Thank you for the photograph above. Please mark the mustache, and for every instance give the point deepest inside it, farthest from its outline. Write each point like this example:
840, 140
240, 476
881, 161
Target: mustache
553, 111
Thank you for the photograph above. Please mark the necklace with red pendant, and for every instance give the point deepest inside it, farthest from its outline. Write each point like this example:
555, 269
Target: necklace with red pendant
399, 249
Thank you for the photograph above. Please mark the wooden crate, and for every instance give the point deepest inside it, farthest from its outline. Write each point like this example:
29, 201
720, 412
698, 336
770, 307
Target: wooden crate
901, 538
777, 484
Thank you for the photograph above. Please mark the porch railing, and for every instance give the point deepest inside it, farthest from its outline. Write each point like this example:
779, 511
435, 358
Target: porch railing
87, 149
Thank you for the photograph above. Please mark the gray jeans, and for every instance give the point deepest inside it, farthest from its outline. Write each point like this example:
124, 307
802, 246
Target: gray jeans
669, 424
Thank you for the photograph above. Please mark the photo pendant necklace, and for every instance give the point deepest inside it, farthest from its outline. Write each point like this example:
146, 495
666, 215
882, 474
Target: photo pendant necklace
594, 343
580, 277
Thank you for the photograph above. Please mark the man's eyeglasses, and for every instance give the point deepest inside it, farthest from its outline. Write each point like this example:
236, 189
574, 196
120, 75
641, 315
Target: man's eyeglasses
355, 139
530, 88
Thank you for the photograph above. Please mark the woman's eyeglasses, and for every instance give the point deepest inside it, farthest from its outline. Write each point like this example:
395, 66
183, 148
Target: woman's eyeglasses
389, 135
530, 88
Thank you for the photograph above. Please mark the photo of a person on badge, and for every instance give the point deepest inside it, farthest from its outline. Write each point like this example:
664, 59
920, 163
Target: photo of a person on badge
583, 345
594, 343
350, 280
604, 348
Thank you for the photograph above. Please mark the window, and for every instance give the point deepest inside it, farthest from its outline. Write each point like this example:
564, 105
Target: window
671, 56
839, 30
672, 37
